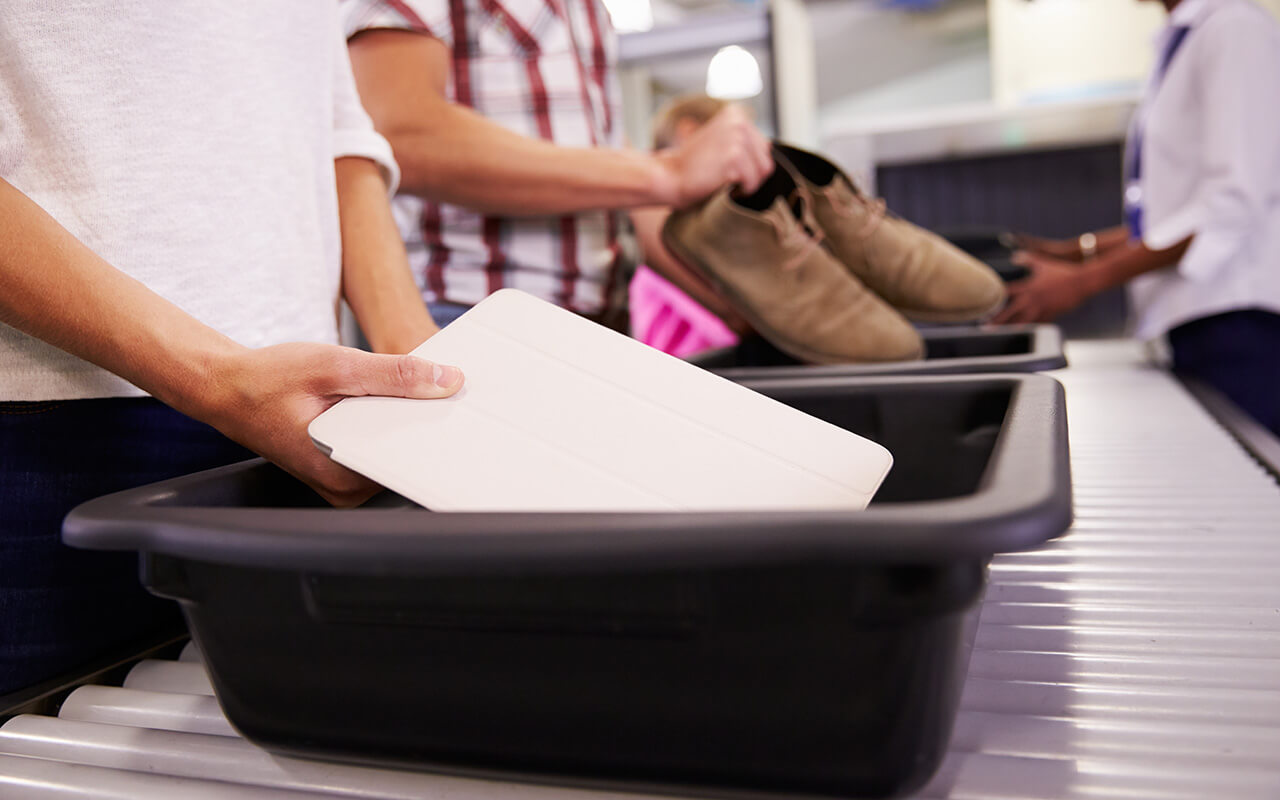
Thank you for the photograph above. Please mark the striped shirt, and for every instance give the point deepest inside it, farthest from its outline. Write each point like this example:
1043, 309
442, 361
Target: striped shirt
540, 68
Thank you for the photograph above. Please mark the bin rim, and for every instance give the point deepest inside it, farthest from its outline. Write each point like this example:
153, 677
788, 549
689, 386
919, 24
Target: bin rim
1046, 354
1023, 499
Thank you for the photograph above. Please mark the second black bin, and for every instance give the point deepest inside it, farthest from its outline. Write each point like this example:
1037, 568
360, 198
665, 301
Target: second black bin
948, 351
815, 653
993, 246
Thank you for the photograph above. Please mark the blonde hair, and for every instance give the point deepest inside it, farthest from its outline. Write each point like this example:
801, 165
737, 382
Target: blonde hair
699, 108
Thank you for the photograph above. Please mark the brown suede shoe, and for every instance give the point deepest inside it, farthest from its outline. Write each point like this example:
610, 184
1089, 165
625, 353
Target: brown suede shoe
914, 270
758, 253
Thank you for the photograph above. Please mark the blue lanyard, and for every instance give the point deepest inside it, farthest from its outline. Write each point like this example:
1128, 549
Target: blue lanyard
1133, 167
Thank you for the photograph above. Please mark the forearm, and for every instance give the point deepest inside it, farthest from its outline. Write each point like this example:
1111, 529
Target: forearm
465, 159
447, 152
1111, 239
376, 281
1121, 263
54, 288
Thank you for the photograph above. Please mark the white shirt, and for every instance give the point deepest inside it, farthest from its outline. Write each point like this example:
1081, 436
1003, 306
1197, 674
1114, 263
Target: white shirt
191, 145
1211, 167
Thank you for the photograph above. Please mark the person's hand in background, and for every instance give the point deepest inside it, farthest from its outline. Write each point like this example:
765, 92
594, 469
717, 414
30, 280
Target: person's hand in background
1056, 286
727, 150
1053, 287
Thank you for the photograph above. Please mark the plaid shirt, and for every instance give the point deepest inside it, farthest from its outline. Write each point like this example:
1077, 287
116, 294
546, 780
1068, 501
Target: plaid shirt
543, 69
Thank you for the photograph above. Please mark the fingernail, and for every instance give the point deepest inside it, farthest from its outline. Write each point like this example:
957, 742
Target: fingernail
445, 377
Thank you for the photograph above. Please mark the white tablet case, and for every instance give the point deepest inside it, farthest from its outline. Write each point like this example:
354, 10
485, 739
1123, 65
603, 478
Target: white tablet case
561, 414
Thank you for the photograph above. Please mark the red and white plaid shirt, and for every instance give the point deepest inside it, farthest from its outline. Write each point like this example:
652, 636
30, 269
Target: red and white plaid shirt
543, 69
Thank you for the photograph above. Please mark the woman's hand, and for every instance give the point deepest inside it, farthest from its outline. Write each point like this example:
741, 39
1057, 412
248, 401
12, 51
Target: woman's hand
1053, 288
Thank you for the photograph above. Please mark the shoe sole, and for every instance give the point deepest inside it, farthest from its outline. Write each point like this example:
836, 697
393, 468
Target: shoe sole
951, 316
795, 351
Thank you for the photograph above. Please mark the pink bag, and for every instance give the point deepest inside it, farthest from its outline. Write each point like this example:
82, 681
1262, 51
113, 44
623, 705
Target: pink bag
664, 317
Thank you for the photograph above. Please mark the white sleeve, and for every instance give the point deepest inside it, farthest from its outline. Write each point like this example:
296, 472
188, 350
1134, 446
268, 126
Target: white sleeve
353, 132
1241, 155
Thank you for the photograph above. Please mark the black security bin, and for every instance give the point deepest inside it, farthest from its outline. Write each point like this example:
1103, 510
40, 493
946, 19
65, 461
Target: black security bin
993, 246
948, 351
788, 654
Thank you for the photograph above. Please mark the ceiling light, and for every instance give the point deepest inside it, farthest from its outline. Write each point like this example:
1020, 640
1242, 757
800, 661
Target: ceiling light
630, 15
733, 74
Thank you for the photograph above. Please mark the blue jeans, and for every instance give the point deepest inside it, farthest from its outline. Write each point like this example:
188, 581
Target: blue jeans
61, 607
1237, 353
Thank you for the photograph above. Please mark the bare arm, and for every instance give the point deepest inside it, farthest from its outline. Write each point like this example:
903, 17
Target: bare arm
1105, 240
55, 288
1127, 260
375, 273
1054, 286
450, 153
1110, 239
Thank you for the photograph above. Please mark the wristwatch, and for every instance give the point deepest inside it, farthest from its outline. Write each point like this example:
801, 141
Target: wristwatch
1088, 246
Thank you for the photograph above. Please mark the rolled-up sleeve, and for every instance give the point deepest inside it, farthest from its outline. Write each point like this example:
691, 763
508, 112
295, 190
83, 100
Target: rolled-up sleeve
353, 132
430, 17
1240, 160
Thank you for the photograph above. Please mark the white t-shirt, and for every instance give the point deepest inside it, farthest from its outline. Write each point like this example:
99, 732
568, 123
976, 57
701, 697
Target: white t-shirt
191, 145
1211, 167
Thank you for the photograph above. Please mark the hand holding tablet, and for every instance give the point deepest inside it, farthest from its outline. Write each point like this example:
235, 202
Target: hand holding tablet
561, 414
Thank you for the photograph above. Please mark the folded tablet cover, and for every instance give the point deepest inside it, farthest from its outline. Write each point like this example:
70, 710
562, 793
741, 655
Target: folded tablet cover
561, 414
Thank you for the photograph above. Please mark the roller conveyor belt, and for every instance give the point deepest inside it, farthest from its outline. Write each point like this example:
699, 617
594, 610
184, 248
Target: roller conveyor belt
1137, 657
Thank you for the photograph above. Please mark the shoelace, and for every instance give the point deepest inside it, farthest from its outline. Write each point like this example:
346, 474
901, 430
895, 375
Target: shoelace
801, 234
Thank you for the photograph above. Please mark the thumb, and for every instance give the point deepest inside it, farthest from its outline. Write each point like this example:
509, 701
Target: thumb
400, 376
